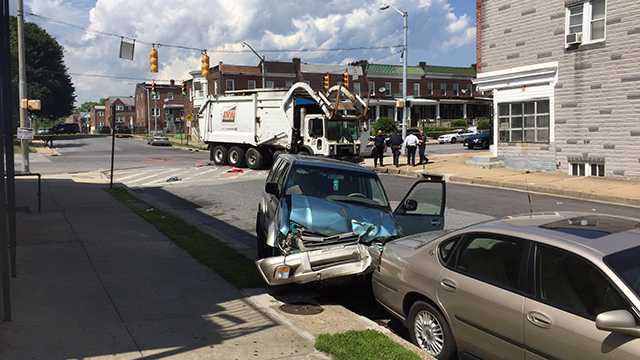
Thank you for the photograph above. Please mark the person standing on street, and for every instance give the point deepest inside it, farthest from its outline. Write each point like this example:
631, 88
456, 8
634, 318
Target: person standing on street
395, 142
411, 144
422, 147
378, 149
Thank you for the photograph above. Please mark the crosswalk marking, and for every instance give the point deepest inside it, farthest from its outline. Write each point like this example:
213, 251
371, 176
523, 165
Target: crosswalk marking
135, 174
157, 177
154, 175
200, 174
164, 178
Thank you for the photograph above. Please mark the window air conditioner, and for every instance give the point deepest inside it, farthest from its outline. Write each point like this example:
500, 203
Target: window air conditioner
574, 39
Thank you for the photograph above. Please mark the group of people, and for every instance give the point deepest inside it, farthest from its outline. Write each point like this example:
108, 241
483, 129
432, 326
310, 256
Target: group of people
411, 145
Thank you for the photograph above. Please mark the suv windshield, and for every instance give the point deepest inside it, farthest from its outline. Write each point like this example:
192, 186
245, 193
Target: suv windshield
626, 265
337, 185
337, 130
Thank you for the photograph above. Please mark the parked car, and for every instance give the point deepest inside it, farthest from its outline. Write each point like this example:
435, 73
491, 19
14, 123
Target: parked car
321, 218
44, 131
481, 140
105, 130
453, 138
122, 129
61, 129
158, 139
539, 286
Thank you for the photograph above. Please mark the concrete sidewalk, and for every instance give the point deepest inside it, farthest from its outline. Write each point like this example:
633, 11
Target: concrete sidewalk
96, 281
453, 167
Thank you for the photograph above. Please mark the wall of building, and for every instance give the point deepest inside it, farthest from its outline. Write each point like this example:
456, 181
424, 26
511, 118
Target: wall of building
597, 97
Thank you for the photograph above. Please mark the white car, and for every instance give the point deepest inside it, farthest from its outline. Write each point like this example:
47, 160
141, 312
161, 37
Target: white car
453, 138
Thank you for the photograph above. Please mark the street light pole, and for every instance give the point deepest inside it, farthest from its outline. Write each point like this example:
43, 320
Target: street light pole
261, 57
22, 85
405, 53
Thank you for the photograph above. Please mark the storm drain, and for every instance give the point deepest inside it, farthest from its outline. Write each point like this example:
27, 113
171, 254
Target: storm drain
301, 309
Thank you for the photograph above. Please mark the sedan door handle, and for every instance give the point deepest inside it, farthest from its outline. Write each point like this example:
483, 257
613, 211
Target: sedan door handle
540, 320
448, 285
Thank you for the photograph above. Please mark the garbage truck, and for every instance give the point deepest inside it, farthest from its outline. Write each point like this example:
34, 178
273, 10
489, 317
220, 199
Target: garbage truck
253, 127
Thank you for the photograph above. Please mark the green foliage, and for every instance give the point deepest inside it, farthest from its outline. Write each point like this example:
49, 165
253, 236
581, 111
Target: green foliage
387, 125
362, 345
459, 123
47, 76
87, 106
484, 124
213, 253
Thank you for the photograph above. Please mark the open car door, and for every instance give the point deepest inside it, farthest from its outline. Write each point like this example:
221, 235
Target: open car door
422, 209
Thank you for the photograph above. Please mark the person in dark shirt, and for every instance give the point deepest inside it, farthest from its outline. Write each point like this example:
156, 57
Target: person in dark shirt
422, 147
395, 142
378, 149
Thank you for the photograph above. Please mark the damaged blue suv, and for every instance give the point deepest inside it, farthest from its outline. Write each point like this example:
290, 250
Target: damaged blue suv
321, 218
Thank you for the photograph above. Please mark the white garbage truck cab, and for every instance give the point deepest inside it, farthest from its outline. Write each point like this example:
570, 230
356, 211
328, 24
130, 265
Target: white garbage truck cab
253, 127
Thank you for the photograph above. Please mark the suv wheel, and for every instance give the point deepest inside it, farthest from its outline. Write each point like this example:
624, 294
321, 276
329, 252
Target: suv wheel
453, 140
430, 332
263, 250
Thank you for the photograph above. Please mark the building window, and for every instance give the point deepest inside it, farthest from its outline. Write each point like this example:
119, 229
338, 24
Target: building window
230, 85
170, 96
372, 87
456, 89
100, 113
443, 89
430, 88
119, 119
356, 88
526, 122
215, 88
251, 84
387, 88
270, 84
416, 89
155, 112
586, 22
578, 169
197, 89
119, 108
597, 169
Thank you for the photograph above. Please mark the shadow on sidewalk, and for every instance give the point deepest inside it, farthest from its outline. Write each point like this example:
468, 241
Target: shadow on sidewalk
95, 280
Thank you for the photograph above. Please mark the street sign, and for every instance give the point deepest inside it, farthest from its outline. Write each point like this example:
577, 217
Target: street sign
34, 105
127, 49
25, 134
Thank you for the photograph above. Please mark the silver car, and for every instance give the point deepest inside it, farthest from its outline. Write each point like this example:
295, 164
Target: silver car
541, 286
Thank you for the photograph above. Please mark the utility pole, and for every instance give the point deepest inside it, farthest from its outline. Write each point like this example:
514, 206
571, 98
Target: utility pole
22, 86
262, 60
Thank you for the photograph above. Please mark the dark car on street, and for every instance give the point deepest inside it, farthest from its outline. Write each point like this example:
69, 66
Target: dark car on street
321, 218
63, 129
481, 140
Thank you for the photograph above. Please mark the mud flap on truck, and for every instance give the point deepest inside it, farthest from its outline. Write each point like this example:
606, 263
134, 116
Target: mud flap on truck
316, 265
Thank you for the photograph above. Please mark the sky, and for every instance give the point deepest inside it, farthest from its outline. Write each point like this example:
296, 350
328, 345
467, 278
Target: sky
441, 32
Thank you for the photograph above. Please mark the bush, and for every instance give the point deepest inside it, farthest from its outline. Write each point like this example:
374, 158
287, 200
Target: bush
460, 123
484, 124
386, 125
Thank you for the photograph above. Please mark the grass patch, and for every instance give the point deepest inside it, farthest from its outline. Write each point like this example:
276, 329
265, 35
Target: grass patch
362, 345
213, 253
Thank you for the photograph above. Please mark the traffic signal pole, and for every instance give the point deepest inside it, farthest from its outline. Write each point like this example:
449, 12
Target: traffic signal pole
22, 86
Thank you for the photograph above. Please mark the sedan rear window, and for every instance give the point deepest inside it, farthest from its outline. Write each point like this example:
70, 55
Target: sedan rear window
626, 264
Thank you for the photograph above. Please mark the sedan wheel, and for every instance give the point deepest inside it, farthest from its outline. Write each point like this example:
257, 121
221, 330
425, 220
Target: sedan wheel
430, 331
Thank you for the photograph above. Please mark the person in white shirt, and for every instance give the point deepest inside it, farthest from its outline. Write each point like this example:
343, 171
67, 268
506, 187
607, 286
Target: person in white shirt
411, 143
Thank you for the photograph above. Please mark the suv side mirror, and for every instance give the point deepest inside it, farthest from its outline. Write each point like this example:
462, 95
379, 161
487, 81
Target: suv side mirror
410, 205
272, 188
618, 321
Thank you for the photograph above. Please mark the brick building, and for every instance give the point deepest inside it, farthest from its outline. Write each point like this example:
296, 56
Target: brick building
565, 81
162, 112
97, 119
125, 111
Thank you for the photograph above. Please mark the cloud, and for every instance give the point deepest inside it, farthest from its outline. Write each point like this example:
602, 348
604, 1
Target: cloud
438, 34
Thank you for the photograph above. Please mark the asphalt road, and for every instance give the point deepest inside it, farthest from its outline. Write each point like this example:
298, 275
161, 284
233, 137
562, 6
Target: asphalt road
226, 201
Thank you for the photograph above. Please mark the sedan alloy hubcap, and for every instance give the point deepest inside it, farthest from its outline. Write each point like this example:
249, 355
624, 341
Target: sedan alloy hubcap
429, 333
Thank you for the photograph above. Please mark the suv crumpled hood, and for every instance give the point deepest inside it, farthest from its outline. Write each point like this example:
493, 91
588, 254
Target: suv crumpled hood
327, 217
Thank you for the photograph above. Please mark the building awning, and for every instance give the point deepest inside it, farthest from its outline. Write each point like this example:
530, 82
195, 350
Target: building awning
538, 74
173, 106
422, 101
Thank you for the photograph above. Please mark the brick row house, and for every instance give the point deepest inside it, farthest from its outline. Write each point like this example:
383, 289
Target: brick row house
163, 111
124, 109
97, 119
565, 81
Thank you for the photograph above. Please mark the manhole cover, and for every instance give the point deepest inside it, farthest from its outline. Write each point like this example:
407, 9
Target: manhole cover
301, 309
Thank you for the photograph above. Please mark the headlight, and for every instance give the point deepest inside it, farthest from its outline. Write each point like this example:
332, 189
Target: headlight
282, 272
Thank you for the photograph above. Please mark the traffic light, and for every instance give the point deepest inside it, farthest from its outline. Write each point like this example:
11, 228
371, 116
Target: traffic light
345, 79
204, 64
183, 89
326, 82
154, 89
153, 60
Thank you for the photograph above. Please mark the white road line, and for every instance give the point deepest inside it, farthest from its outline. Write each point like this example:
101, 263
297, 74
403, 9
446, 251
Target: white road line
133, 175
155, 175
162, 180
200, 174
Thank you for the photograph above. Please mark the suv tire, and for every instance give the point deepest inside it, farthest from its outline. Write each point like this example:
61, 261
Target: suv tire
430, 331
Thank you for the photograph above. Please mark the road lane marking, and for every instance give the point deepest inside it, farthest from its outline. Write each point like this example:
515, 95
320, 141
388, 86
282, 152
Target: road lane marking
133, 175
155, 175
177, 173
200, 174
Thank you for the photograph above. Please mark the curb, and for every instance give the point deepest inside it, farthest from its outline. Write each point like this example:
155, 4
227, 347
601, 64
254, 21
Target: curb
578, 195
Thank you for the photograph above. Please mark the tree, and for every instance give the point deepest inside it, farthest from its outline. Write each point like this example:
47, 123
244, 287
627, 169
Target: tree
87, 106
484, 124
459, 123
386, 125
47, 76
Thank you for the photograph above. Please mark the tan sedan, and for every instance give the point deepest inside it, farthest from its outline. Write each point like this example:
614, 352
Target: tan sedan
543, 286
